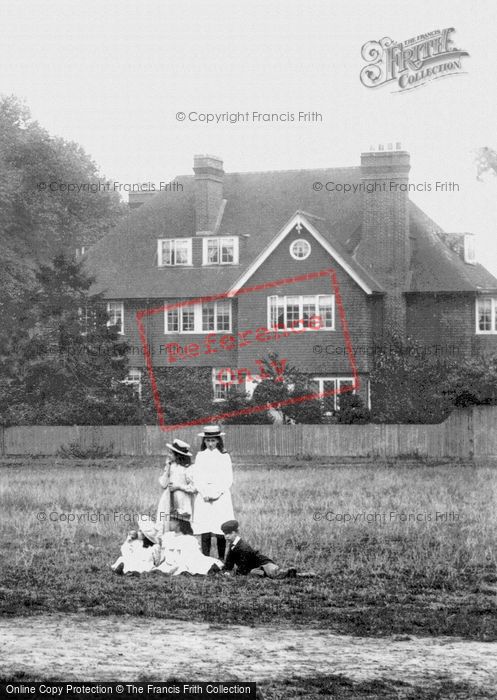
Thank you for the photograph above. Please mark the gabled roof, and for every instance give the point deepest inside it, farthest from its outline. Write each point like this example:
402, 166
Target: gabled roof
334, 249
436, 267
258, 204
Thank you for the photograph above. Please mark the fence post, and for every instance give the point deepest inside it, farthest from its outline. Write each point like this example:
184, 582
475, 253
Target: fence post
471, 430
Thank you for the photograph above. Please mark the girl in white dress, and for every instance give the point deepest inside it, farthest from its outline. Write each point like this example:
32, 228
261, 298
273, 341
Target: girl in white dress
180, 553
138, 554
178, 490
212, 476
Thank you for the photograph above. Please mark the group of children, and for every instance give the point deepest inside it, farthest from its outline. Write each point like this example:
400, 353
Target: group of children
178, 552
174, 552
195, 501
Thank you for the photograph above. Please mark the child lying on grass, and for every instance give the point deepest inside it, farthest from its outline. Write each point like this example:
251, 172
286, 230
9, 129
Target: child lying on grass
249, 561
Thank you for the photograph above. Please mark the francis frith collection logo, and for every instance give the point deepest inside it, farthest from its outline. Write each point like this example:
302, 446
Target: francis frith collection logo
411, 63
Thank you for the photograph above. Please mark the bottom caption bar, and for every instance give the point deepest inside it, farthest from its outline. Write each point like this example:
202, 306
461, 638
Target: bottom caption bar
179, 691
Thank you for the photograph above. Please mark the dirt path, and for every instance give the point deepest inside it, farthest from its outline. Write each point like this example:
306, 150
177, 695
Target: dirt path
80, 647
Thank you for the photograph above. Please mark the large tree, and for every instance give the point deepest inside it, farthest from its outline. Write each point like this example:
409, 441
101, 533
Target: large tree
63, 364
44, 208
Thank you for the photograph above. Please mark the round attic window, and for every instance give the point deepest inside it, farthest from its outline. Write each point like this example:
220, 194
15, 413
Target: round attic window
300, 249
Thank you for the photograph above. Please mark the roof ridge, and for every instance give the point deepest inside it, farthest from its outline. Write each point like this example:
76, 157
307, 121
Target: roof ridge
295, 170
290, 170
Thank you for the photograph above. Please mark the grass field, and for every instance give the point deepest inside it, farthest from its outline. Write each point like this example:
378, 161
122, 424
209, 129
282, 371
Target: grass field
433, 573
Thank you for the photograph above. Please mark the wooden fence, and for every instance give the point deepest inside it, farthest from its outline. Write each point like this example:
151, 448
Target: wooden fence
466, 433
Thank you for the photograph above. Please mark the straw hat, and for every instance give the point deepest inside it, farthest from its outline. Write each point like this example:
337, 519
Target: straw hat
181, 447
149, 528
211, 431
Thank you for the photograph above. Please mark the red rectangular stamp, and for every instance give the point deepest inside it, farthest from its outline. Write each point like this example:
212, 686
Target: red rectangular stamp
309, 321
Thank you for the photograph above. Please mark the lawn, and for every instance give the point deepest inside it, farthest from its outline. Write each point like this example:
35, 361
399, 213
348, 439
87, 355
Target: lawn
399, 548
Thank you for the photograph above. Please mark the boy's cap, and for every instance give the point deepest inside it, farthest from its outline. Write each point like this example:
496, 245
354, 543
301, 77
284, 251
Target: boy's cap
229, 526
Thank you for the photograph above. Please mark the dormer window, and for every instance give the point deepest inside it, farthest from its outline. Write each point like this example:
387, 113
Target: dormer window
469, 249
174, 252
221, 250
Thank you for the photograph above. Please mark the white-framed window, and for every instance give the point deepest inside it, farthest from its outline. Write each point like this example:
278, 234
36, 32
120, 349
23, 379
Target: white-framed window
216, 316
115, 310
87, 319
221, 250
220, 388
300, 249
313, 311
322, 385
469, 249
486, 314
174, 251
204, 317
134, 379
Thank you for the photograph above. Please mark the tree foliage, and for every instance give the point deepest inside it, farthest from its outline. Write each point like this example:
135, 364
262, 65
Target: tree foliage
352, 410
185, 394
408, 385
279, 382
472, 382
62, 364
41, 213
237, 401
308, 411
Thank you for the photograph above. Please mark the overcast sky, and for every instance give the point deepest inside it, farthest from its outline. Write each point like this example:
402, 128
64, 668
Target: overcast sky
112, 76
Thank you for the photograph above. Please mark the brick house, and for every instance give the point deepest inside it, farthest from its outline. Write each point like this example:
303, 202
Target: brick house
397, 272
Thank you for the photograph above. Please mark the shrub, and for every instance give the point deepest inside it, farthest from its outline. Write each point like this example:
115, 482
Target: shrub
352, 410
237, 401
76, 451
185, 394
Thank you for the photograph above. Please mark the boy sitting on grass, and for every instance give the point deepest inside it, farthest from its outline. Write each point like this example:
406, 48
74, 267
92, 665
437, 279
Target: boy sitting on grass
249, 561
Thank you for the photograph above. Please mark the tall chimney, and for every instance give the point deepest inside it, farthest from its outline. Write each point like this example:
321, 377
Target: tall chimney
208, 191
384, 249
